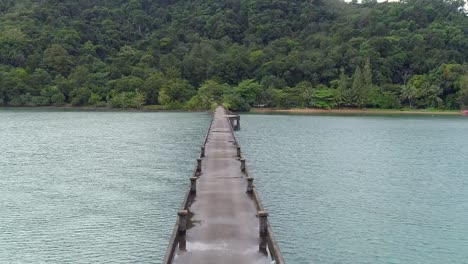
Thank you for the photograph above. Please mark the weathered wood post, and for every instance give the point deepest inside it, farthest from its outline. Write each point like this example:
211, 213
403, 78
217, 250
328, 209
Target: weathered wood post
238, 151
183, 215
263, 221
199, 165
242, 165
237, 123
193, 184
250, 184
202, 152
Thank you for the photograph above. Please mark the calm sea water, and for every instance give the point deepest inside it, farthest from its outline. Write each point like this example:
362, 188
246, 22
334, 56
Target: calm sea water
93, 187
104, 187
363, 189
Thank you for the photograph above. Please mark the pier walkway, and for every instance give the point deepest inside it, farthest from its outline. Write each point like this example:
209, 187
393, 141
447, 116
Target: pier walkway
222, 219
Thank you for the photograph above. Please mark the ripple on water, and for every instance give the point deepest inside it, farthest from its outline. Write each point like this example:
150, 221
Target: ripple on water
93, 187
362, 189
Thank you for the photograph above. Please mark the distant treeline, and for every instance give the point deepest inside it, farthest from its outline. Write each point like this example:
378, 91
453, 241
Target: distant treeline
243, 53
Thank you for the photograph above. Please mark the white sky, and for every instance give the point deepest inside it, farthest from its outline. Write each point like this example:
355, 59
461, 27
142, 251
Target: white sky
466, 2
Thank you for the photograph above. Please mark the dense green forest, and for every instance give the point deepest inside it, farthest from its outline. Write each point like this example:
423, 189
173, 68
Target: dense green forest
244, 53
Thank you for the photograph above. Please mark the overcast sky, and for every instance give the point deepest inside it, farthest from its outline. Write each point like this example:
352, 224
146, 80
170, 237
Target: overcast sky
466, 2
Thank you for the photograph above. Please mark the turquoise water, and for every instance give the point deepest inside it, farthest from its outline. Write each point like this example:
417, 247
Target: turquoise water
104, 187
93, 187
360, 189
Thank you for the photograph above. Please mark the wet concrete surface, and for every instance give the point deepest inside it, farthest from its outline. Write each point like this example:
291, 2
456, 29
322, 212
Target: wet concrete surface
224, 226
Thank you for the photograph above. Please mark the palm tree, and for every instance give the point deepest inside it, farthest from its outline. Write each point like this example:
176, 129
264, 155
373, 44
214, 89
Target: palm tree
408, 93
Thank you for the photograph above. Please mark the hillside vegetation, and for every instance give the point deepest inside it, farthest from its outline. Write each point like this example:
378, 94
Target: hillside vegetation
244, 53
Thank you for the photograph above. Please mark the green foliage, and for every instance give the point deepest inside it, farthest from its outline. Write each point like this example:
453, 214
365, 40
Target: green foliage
463, 86
57, 99
126, 99
244, 53
305, 91
324, 98
57, 59
209, 94
176, 91
80, 96
96, 100
358, 89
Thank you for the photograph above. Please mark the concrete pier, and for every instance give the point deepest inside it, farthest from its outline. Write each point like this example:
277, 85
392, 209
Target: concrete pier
222, 219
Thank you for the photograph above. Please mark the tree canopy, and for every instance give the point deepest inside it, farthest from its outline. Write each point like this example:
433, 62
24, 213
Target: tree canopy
245, 53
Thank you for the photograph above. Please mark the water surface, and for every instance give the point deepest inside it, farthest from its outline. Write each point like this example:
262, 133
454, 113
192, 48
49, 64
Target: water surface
93, 187
362, 189
104, 187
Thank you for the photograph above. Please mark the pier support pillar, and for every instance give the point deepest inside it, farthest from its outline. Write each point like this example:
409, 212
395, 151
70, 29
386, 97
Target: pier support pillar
242, 165
250, 184
237, 127
183, 215
263, 220
193, 184
262, 247
202, 152
238, 151
235, 122
183, 243
199, 165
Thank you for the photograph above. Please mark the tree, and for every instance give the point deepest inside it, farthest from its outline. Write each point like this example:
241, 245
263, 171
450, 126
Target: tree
249, 90
57, 58
463, 84
304, 89
343, 91
358, 89
139, 46
151, 87
126, 99
57, 99
176, 91
324, 97
80, 96
408, 93
367, 77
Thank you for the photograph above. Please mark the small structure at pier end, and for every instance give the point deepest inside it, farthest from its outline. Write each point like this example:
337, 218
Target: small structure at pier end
221, 219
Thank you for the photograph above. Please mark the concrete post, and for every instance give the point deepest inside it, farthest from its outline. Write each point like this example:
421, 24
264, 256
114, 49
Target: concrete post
263, 220
193, 184
242, 165
183, 243
202, 151
183, 215
262, 247
238, 151
250, 184
238, 123
199, 165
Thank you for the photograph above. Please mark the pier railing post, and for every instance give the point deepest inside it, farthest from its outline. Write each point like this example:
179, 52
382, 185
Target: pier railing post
263, 221
193, 184
183, 215
250, 184
199, 165
238, 151
202, 152
242, 165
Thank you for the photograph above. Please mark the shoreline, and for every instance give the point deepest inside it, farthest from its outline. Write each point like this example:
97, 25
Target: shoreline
318, 111
354, 111
99, 109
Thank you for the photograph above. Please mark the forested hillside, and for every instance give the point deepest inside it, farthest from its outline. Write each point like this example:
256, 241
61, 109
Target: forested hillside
275, 53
